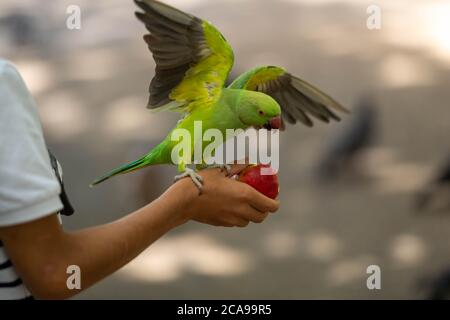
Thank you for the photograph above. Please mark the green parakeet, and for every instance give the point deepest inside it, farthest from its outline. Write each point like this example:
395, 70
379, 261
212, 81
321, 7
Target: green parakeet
193, 61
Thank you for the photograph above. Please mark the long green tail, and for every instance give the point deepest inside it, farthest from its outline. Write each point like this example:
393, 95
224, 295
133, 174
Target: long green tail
156, 156
142, 162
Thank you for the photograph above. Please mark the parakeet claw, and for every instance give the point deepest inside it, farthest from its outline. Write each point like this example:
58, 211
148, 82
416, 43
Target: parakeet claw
195, 177
227, 168
222, 167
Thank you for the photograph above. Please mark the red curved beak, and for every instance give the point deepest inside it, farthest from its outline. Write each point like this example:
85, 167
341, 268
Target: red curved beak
275, 123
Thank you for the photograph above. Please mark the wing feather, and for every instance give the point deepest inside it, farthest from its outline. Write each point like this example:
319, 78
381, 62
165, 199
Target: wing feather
192, 58
298, 99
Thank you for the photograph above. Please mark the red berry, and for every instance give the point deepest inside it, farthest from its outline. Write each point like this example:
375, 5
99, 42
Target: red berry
267, 184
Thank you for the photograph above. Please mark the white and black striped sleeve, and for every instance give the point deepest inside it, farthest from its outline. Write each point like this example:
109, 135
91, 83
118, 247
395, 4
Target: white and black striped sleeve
11, 286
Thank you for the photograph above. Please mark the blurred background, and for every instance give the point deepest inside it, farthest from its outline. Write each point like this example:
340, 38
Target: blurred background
361, 192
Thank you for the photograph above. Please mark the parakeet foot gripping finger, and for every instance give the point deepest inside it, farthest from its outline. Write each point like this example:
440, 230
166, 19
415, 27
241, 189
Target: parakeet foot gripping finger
222, 167
195, 177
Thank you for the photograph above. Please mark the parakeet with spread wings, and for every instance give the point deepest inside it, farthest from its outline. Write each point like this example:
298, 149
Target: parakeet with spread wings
193, 61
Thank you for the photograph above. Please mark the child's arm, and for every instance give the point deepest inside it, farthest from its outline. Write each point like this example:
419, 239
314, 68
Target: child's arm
41, 250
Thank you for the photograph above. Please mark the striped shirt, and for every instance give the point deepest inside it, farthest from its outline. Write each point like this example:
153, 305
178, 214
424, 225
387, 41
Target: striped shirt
11, 286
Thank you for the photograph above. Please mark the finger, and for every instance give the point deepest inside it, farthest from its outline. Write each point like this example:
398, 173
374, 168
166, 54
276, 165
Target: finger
239, 222
260, 202
254, 215
237, 168
242, 161
226, 224
242, 224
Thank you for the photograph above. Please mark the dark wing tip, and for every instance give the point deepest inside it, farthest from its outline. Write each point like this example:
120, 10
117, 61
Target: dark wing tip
140, 15
141, 4
309, 123
341, 108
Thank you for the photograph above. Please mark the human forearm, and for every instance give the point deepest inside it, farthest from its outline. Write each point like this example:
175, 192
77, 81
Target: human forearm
102, 250
97, 251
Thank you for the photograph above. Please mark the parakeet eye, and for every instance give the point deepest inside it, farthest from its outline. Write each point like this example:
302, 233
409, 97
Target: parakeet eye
261, 113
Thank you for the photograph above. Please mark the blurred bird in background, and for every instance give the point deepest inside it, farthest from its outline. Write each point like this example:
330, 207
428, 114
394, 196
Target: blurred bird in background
21, 28
343, 149
436, 194
436, 287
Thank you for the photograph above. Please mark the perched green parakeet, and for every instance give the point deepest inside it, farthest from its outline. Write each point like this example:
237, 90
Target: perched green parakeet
193, 61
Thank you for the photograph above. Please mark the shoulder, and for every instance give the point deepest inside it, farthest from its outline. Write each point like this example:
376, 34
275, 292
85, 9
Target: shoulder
11, 82
18, 111
8, 70
14, 92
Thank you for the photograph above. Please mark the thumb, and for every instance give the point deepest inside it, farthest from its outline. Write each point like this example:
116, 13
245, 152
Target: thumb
237, 168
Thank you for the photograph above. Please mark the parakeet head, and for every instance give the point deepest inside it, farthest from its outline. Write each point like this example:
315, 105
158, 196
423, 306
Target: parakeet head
256, 109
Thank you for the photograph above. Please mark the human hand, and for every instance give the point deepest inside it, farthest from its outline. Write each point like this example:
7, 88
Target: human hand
224, 201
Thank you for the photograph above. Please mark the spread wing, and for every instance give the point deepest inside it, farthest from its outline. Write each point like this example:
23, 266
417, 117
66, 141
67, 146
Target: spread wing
298, 99
192, 58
